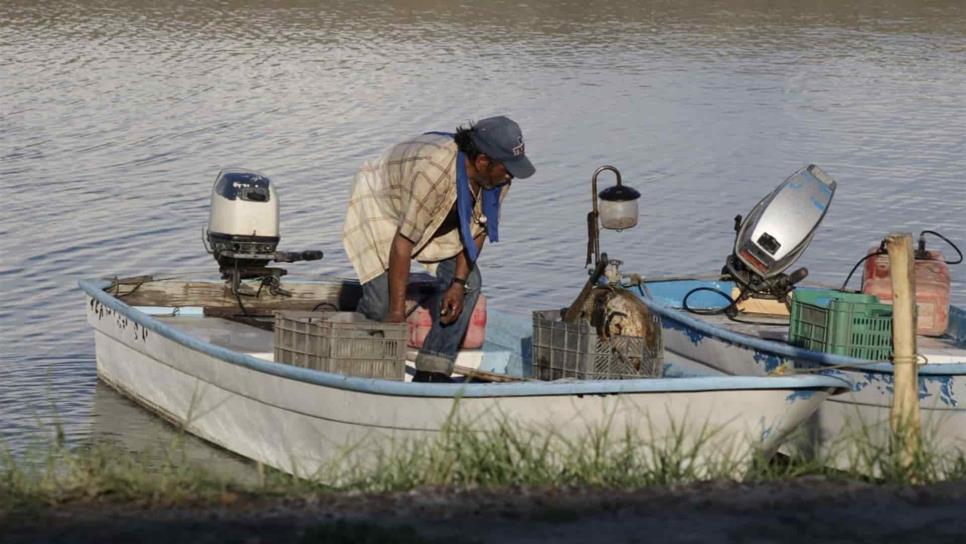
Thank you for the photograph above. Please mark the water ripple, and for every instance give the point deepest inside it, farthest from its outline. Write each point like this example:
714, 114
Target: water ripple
116, 116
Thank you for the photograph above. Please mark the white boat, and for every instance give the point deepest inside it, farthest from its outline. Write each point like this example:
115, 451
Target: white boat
162, 343
728, 347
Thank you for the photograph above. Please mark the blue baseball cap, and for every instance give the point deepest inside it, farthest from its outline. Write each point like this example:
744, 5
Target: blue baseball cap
500, 139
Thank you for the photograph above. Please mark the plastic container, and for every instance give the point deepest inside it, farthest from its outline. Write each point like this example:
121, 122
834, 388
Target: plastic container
932, 289
573, 350
341, 342
421, 321
852, 324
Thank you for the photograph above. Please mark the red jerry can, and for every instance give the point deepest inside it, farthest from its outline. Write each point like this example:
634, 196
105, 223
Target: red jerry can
932, 288
421, 321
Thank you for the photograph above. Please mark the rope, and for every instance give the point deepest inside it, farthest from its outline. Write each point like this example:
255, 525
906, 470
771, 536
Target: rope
905, 360
116, 284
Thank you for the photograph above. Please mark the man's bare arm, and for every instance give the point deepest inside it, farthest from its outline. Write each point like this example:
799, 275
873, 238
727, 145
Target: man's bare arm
400, 257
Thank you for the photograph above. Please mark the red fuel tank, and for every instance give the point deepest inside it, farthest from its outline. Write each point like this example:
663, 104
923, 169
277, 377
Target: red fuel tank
421, 321
932, 288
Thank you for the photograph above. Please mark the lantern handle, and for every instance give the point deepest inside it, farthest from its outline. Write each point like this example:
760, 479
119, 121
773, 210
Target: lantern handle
593, 225
593, 181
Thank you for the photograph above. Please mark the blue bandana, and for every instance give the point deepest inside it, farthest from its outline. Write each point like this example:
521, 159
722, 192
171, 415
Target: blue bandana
464, 206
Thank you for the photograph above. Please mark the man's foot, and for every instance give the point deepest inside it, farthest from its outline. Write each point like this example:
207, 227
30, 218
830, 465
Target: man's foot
431, 377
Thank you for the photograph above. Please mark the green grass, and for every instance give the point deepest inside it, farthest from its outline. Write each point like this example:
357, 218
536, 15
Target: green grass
102, 473
502, 456
507, 455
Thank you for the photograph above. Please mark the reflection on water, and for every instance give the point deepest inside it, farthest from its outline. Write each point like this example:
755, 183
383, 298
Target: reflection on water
116, 116
119, 422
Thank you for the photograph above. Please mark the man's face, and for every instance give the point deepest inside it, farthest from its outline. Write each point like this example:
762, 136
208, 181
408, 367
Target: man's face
492, 173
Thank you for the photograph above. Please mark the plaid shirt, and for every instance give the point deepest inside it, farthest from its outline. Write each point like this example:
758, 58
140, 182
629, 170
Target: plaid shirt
410, 188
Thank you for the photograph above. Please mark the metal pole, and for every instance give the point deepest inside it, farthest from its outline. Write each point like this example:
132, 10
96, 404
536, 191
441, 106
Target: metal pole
593, 222
593, 218
904, 417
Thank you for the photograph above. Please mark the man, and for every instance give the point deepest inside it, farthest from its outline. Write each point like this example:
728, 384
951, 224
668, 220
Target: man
433, 198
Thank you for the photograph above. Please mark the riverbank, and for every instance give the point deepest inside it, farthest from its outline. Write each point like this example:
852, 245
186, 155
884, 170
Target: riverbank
507, 476
101, 493
808, 509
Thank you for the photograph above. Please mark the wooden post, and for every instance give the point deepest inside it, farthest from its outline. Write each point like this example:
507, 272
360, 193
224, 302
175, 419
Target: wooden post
905, 402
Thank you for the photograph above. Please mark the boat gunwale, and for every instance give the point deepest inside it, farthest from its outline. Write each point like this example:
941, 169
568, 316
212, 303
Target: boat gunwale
782, 349
95, 288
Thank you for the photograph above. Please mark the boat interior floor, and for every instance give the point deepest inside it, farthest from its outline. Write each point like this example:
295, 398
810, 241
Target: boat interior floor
259, 342
225, 333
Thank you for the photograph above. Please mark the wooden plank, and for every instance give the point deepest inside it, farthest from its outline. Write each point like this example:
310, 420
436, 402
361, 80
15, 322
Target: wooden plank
485, 376
147, 291
763, 306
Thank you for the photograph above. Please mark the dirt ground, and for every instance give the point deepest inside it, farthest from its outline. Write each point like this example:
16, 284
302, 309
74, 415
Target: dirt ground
805, 510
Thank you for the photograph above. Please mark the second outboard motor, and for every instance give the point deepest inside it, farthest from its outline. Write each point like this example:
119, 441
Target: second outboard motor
776, 232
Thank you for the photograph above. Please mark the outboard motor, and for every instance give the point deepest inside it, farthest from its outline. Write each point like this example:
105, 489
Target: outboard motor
776, 232
242, 231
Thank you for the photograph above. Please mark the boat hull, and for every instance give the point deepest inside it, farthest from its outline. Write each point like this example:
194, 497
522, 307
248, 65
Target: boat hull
306, 422
861, 415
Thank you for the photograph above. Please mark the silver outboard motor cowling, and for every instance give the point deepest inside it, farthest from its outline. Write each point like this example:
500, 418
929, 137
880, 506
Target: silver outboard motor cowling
777, 230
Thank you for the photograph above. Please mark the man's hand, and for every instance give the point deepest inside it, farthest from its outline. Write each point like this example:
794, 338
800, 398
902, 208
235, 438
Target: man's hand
451, 306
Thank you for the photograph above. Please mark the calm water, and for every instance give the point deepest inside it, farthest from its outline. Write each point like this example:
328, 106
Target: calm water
117, 115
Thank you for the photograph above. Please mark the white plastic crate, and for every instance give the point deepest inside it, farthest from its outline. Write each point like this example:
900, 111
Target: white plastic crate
341, 342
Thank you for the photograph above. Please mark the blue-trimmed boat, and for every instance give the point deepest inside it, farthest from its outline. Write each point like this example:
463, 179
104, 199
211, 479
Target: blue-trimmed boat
728, 347
168, 344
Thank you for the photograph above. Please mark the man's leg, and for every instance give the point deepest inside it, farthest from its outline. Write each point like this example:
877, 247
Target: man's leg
443, 341
374, 303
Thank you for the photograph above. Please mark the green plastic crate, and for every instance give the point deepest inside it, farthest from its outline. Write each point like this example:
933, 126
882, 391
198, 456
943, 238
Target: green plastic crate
852, 324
